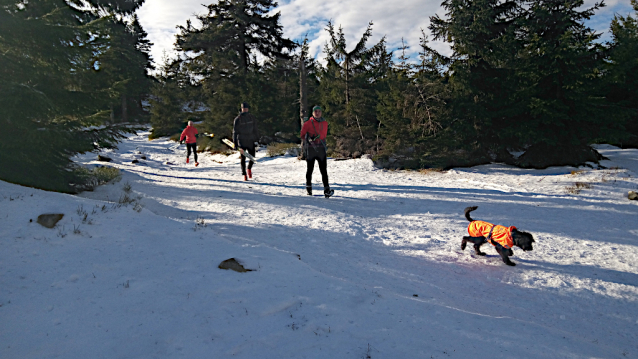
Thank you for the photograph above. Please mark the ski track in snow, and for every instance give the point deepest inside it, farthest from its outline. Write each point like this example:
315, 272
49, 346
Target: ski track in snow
376, 270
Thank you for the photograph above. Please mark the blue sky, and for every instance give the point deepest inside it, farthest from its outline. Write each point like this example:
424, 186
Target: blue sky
393, 18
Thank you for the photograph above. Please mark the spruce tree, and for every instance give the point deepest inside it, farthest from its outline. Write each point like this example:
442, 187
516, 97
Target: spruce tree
560, 72
52, 91
127, 50
484, 101
622, 73
525, 76
411, 111
219, 56
348, 89
169, 95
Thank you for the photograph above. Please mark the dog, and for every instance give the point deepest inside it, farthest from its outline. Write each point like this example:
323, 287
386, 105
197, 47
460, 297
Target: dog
502, 238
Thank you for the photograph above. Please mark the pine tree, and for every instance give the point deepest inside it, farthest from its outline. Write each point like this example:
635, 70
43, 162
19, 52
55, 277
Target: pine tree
219, 56
560, 71
622, 79
127, 50
348, 90
51, 91
525, 75
484, 102
411, 110
168, 99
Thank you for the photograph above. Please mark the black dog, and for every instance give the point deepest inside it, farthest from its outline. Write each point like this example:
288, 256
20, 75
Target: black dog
502, 238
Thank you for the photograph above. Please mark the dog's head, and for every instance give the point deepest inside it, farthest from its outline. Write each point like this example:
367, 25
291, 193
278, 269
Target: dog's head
523, 240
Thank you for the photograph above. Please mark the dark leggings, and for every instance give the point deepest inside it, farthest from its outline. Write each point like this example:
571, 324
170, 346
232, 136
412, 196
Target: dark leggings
188, 150
323, 168
250, 150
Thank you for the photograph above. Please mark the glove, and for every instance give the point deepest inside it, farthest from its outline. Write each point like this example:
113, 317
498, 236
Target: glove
181, 142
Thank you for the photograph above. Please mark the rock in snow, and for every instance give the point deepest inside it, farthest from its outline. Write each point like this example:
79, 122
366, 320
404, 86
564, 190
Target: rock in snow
49, 220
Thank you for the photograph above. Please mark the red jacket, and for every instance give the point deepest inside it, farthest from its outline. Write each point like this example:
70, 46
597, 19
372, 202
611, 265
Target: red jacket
314, 127
500, 234
189, 132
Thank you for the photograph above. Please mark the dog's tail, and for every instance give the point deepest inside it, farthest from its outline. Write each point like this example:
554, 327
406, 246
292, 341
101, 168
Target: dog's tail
467, 213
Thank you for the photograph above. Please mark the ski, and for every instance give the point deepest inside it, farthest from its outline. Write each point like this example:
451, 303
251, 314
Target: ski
232, 146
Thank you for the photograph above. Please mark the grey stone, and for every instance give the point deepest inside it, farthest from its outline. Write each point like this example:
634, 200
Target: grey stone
233, 264
49, 220
632, 195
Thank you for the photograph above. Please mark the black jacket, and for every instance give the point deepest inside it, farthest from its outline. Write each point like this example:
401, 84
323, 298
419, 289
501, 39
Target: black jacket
245, 130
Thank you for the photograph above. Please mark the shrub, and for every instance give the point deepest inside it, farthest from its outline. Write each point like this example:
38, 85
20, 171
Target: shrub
92, 178
106, 174
281, 149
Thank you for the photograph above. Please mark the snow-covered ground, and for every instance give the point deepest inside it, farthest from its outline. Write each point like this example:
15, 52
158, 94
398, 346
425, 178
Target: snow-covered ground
374, 272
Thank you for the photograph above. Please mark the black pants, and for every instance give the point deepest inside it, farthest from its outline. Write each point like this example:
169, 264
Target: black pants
188, 150
323, 168
250, 150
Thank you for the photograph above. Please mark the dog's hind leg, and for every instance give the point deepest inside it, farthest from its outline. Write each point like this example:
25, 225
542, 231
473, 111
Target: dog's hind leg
478, 242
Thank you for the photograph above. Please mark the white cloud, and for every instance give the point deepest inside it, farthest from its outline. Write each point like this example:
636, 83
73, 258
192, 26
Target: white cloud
394, 19
160, 19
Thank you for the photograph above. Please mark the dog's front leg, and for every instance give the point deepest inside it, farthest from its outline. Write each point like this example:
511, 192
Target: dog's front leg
504, 252
477, 249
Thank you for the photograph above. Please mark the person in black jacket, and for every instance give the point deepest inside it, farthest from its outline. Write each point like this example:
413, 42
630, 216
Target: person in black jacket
244, 137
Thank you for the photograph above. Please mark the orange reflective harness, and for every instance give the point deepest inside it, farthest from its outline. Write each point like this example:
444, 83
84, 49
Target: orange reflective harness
501, 236
489, 236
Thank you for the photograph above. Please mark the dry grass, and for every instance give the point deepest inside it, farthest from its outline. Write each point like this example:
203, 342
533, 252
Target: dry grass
106, 174
431, 171
577, 172
577, 187
280, 149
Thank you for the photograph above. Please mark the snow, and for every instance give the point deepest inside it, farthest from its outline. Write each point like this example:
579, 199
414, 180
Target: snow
376, 271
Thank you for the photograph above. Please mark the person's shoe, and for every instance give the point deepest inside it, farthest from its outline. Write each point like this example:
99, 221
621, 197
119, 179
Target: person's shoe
309, 190
196, 164
250, 174
245, 178
328, 192
187, 159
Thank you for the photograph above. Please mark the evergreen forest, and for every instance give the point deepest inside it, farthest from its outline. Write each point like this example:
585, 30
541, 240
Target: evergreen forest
527, 83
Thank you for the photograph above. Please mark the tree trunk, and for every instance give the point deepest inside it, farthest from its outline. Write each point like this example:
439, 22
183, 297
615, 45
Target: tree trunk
124, 109
303, 90
347, 84
244, 56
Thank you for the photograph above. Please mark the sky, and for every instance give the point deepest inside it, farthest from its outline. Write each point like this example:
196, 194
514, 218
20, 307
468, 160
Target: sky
395, 19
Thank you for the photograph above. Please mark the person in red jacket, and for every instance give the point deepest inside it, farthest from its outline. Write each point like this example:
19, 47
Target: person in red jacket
313, 133
190, 133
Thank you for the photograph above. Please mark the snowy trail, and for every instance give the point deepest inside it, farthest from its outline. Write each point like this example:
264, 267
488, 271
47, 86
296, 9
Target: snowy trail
379, 264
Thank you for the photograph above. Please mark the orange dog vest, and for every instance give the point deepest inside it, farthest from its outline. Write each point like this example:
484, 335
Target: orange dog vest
500, 234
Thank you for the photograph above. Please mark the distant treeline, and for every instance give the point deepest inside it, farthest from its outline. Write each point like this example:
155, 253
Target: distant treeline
525, 77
